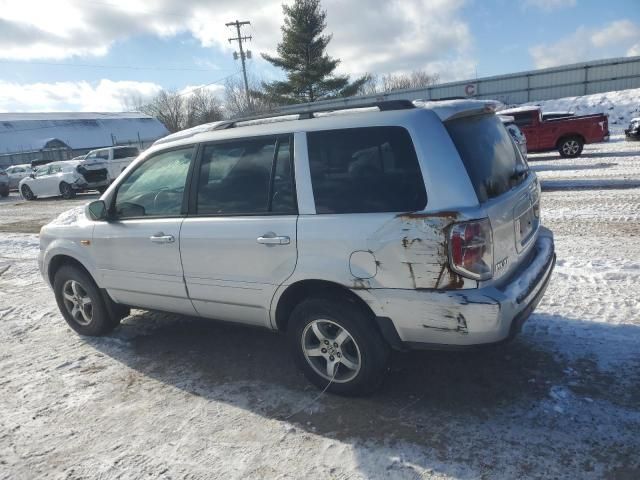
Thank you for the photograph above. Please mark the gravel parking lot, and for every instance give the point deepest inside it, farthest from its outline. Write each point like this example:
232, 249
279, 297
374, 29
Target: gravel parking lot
185, 398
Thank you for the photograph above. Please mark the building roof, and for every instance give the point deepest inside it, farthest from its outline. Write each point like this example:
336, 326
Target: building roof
21, 116
23, 132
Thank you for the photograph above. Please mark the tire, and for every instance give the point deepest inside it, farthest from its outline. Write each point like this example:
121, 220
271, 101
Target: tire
4, 193
81, 303
26, 192
66, 191
570, 147
101, 190
363, 347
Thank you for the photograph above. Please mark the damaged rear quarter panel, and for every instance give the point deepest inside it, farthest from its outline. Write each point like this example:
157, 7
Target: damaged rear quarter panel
411, 249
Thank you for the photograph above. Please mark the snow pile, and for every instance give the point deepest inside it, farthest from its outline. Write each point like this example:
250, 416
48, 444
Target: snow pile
621, 106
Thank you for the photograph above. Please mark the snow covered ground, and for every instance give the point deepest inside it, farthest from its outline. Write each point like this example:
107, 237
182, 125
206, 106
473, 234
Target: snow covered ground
621, 106
182, 398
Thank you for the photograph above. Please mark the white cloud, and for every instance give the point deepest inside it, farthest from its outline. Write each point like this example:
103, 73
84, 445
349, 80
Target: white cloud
617, 38
550, 5
103, 96
378, 36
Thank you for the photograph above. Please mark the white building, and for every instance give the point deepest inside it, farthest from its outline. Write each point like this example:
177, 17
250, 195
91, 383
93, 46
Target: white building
43, 137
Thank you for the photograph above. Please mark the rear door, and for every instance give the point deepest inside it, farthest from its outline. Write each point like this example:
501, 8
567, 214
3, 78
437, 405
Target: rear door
138, 251
506, 189
47, 181
239, 242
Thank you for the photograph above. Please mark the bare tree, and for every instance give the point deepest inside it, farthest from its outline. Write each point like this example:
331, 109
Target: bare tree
237, 104
178, 111
400, 81
202, 106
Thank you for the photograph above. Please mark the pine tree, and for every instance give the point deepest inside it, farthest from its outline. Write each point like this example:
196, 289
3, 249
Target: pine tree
301, 54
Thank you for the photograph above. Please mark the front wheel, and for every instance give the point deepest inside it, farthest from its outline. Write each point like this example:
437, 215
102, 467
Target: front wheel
66, 191
337, 346
26, 192
81, 303
570, 147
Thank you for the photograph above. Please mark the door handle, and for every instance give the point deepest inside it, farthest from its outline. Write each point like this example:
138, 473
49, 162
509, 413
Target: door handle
162, 238
271, 239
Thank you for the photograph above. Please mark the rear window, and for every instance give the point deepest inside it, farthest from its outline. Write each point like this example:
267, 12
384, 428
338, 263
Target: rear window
492, 161
125, 152
365, 170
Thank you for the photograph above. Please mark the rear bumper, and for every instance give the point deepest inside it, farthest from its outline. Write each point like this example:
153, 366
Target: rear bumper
459, 318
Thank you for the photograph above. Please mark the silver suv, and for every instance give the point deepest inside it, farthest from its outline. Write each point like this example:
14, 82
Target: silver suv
397, 225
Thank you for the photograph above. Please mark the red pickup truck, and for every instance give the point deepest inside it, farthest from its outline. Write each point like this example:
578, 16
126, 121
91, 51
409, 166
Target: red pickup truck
567, 135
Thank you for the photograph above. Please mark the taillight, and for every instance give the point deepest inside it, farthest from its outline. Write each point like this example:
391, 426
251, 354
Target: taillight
471, 249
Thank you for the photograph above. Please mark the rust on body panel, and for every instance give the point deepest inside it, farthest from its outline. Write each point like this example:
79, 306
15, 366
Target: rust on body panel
413, 246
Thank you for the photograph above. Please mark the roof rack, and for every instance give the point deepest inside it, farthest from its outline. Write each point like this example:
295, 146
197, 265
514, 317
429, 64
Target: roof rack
307, 112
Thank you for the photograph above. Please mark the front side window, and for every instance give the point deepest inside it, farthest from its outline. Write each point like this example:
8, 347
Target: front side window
365, 170
246, 177
42, 171
156, 187
125, 153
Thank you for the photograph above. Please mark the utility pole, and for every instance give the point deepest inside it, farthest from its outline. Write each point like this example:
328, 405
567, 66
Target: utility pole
243, 56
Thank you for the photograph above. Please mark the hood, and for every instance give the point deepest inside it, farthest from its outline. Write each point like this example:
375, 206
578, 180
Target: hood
69, 217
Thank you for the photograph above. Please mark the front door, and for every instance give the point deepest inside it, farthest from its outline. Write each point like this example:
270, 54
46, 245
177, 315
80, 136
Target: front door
138, 251
239, 242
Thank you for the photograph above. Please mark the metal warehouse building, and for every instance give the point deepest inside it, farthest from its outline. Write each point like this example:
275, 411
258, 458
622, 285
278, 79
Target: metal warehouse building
25, 137
544, 84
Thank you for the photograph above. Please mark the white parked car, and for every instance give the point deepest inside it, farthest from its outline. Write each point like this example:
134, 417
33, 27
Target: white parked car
17, 173
64, 179
355, 233
115, 158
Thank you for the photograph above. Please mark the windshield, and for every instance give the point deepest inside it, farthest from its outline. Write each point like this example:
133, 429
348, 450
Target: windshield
492, 160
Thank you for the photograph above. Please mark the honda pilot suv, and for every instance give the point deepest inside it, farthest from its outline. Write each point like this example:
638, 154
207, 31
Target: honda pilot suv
397, 225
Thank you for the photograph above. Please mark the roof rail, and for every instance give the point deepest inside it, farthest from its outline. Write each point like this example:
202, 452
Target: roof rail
307, 112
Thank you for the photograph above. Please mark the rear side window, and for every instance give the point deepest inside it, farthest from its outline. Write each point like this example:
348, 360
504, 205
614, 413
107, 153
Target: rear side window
119, 153
488, 153
246, 177
365, 170
523, 119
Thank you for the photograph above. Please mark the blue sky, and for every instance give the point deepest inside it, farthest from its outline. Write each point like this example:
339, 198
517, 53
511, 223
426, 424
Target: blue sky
95, 54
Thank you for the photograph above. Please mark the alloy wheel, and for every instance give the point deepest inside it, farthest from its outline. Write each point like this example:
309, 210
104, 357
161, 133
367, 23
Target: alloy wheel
331, 351
571, 147
77, 302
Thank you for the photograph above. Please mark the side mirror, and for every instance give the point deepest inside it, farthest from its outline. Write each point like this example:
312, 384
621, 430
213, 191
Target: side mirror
32, 174
97, 210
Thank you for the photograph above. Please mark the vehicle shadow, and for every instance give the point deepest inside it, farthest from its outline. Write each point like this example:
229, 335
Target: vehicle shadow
557, 167
532, 158
428, 401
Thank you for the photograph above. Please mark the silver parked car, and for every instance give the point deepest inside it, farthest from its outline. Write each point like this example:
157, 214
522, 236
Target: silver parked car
509, 123
4, 183
395, 226
17, 173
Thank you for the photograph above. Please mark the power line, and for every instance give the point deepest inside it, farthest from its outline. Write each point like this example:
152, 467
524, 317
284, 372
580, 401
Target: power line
90, 65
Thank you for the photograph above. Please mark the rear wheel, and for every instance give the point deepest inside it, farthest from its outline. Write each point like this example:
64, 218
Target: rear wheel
570, 147
81, 303
26, 192
5, 192
66, 191
337, 346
